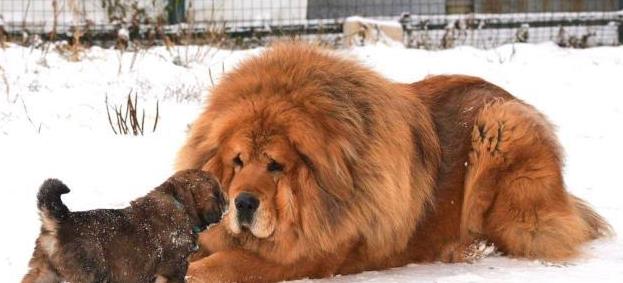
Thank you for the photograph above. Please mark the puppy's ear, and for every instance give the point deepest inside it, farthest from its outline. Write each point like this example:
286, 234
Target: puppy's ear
209, 199
181, 192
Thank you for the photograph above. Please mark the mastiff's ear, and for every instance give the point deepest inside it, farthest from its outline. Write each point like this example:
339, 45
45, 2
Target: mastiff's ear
329, 169
214, 165
201, 144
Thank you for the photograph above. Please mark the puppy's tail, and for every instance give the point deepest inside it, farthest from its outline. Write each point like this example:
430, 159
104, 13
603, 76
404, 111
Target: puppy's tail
49, 200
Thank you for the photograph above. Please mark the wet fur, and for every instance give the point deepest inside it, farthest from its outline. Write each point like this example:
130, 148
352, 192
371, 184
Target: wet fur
151, 239
377, 174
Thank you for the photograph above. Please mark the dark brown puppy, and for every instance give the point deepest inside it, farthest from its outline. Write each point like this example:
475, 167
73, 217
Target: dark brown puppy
149, 240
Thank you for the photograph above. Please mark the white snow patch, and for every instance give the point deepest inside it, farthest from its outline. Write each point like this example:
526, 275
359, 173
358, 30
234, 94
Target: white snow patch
580, 91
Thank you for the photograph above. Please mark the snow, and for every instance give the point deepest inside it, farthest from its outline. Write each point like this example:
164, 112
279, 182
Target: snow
371, 21
53, 123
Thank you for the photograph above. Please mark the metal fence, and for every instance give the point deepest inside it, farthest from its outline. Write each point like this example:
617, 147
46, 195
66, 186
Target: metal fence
424, 24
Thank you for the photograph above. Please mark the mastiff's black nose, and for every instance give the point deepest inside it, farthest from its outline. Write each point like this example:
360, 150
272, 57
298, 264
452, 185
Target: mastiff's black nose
246, 205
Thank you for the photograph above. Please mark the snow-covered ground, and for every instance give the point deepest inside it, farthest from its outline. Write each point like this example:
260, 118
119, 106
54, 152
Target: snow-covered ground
53, 123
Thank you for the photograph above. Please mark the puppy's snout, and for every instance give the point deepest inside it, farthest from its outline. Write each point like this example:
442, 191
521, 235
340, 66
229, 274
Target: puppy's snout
246, 205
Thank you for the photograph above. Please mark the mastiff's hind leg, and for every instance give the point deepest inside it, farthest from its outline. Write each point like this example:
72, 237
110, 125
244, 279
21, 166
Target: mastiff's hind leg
514, 191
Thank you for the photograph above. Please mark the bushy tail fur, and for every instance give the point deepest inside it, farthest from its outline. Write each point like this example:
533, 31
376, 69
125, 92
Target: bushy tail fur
49, 199
599, 226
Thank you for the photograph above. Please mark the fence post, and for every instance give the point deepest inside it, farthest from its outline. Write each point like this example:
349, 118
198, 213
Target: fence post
620, 22
620, 32
177, 13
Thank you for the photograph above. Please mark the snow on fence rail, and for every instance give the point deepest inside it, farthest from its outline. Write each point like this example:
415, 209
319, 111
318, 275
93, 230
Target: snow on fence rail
580, 29
424, 24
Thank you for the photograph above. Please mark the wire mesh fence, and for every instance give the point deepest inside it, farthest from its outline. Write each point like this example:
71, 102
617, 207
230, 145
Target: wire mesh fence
421, 24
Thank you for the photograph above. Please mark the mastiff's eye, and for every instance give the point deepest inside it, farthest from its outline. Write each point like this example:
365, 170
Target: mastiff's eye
238, 161
274, 167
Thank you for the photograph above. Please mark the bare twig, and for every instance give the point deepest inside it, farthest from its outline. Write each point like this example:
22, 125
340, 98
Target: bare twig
54, 20
6, 84
142, 122
109, 119
157, 116
134, 58
29, 119
119, 124
24, 17
211, 79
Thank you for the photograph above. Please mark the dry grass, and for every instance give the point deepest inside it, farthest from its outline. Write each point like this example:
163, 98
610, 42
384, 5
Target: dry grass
5, 81
125, 120
3, 37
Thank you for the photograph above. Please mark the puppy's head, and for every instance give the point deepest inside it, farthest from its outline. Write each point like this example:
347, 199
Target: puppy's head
200, 195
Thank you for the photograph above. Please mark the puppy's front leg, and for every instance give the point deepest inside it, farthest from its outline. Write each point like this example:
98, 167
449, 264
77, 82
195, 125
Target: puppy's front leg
179, 277
176, 278
41, 276
161, 279
40, 269
172, 271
